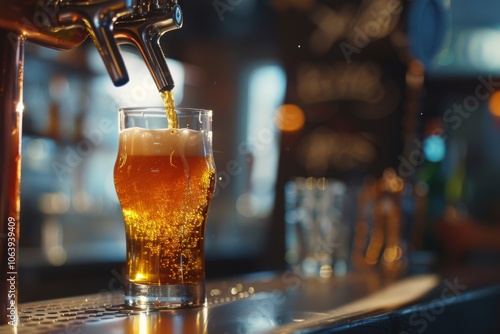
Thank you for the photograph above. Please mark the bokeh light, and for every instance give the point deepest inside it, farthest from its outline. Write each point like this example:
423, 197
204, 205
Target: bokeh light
494, 104
290, 118
434, 148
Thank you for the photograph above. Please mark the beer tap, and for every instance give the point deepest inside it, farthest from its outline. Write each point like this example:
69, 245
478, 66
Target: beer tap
63, 24
99, 16
143, 27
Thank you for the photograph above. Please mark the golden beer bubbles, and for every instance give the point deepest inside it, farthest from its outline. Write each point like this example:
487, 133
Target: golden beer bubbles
164, 182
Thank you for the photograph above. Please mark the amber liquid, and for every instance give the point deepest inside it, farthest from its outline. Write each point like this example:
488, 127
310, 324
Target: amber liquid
165, 200
169, 104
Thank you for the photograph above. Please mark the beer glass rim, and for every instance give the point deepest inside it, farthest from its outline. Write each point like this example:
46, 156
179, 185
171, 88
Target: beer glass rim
160, 111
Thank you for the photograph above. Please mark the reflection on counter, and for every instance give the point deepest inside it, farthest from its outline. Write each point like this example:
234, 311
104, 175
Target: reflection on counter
186, 321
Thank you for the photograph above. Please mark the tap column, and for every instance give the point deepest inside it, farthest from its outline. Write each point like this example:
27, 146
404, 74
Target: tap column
11, 62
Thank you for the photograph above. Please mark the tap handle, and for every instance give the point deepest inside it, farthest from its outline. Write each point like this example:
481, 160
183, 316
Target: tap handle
144, 28
98, 16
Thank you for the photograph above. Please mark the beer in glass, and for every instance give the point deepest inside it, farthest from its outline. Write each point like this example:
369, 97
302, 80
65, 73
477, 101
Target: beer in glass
164, 178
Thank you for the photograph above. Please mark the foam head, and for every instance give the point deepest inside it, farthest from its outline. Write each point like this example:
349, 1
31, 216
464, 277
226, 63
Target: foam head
182, 142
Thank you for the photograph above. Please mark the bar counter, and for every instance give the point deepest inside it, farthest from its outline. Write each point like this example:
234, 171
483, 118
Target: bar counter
459, 302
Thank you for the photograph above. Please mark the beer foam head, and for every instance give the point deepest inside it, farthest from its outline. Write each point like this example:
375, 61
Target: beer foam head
183, 142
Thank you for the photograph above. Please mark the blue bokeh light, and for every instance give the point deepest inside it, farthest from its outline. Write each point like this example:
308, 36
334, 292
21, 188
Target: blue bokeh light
434, 148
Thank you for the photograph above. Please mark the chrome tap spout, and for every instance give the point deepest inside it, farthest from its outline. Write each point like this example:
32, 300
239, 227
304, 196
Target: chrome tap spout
98, 16
148, 21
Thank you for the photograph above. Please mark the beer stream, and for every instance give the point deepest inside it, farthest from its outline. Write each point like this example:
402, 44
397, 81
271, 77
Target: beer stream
168, 101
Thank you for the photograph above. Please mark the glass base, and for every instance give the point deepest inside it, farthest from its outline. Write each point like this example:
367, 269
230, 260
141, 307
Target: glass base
170, 296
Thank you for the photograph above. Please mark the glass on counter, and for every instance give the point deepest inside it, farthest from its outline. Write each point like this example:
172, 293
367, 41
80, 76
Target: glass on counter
164, 177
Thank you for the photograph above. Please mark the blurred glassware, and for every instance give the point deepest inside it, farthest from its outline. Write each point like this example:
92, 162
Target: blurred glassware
317, 231
383, 225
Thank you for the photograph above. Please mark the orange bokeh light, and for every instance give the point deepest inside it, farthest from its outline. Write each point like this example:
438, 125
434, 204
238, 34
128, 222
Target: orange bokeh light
494, 104
290, 118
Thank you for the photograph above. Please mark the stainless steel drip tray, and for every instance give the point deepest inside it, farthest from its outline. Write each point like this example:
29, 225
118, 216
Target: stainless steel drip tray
105, 312
66, 315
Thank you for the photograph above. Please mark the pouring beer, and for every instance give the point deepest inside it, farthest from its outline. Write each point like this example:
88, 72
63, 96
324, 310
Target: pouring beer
164, 177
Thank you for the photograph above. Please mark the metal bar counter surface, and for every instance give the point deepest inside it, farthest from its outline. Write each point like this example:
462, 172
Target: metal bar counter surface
286, 303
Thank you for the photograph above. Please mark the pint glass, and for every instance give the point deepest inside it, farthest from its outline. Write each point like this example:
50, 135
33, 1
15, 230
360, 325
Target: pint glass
164, 178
